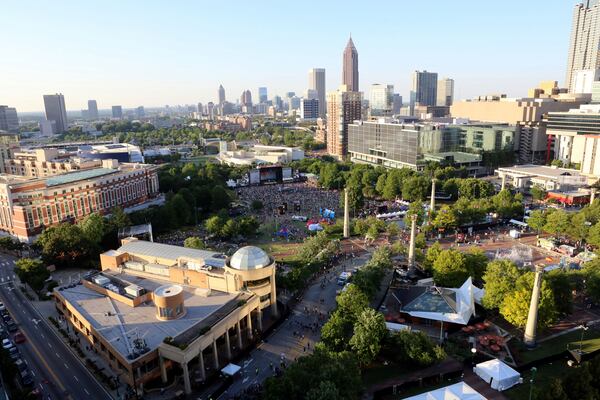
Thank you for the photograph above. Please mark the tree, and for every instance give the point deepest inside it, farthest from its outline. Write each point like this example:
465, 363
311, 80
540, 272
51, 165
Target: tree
352, 301
557, 222
554, 391
326, 390
256, 205
537, 220
322, 369
214, 225
415, 188
432, 254
194, 242
450, 269
500, 278
415, 208
445, 218
560, 284
369, 331
537, 193
593, 237
580, 385
65, 245
93, 227
477, 262
407, 347
515, 307
32, 271
119, 219
220, 200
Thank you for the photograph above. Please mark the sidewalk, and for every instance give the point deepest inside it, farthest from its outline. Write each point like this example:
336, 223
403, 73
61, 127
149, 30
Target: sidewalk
296, 336
47, 309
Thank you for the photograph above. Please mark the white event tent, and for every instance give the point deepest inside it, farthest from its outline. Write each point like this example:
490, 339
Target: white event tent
458, 391
499, 375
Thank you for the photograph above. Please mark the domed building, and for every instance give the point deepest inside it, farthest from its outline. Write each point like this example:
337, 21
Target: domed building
255, 270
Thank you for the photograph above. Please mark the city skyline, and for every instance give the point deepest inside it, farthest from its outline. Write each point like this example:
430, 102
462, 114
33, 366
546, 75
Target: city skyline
132, 75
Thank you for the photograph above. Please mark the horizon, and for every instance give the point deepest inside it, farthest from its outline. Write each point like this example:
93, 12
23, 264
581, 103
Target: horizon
180, 55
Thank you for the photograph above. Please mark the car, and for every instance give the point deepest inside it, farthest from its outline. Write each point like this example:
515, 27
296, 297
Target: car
19, 337
14, 353
6, 344
6, 317
26, 378
2, 306
21, 366
11, 326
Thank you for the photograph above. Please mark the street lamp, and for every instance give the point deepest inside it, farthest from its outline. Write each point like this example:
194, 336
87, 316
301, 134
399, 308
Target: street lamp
473, 352
533, 371
584, 328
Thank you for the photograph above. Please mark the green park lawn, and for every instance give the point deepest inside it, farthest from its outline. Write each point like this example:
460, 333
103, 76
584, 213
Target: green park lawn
591, 342
543, 376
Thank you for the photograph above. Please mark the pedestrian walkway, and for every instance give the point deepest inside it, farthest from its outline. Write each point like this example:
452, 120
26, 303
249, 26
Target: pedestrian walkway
297, 335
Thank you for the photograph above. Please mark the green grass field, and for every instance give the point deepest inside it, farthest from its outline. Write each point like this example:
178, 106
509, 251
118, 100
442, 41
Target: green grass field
544, 375
591, 342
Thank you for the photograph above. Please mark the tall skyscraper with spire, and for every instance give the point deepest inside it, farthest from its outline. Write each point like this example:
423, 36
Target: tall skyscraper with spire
221, 95
350, 73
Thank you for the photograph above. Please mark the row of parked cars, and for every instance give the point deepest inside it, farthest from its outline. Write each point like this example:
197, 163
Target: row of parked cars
10, 345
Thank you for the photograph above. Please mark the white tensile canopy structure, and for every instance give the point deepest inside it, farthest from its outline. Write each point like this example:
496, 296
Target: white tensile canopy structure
462, 310
231, 369
499, 375
458, 391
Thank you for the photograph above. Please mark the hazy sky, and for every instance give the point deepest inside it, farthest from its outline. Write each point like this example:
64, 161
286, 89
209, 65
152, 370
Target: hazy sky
154, 53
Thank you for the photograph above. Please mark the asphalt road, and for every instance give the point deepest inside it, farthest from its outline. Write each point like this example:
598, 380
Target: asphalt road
56, 371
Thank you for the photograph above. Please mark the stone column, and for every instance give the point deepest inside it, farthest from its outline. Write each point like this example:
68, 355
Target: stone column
259, 316
411, 248
227, 344
346, 214
273, 294
201, 361
249, 323
215, 354
239, 334
163, 369
532, 317
186, 378
592, 195
432, 204
503, 182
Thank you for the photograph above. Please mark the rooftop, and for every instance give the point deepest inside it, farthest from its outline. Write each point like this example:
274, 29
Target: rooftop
160, 250
540, 170
120, 324
78, 176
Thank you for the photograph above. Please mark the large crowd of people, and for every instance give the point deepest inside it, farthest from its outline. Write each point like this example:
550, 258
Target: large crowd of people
309, 200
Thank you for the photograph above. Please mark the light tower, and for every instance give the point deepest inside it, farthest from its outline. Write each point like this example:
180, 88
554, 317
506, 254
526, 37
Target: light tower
432, 204
346, 214
411, 248
532, 317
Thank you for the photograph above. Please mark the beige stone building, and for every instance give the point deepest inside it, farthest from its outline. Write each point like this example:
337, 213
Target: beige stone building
343, 108
526, 114
155, 305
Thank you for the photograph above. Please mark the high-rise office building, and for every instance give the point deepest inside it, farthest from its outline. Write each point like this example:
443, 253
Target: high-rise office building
117, 112
343, 108
316, 82
309, 109
424, 87
445, 92
140, 112
246, 98
350, 70
210, 110
56, 111
278, 102
381, 99
262, 95
92, 110
200, 108
584, 48
9, 120
221, 94
396, 104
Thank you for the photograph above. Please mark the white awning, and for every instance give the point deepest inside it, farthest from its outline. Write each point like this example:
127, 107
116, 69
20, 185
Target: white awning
231, 369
